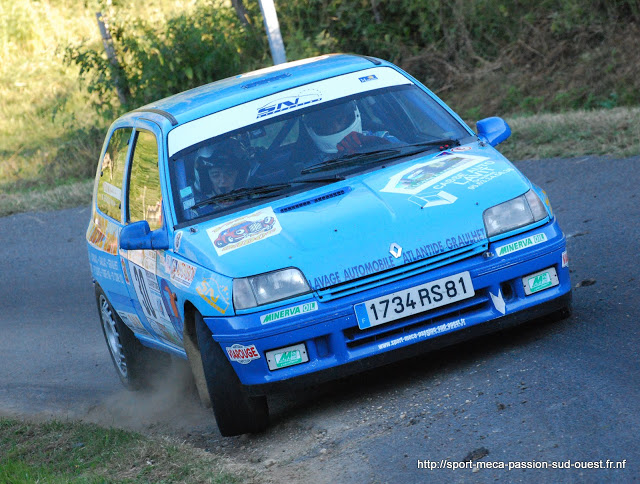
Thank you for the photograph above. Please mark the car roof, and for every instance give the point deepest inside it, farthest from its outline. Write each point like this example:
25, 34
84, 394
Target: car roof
217, 96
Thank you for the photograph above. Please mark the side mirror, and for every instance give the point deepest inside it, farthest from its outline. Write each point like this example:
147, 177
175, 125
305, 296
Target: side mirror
493, 130
138, 236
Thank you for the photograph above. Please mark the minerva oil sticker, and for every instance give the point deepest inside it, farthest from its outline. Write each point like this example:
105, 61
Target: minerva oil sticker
520, 244
289, 312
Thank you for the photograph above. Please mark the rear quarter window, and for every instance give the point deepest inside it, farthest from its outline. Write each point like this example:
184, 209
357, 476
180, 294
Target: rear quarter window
109, 197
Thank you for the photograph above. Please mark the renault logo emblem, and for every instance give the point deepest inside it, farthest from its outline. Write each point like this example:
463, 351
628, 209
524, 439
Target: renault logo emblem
395, 250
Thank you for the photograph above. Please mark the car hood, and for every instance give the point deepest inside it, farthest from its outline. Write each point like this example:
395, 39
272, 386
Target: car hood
426, 205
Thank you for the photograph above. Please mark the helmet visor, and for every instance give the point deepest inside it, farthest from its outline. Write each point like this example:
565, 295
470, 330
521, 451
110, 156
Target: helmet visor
331, 120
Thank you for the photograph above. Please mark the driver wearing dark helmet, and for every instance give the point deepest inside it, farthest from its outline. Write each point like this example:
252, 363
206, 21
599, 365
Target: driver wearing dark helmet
219, 168
338, 129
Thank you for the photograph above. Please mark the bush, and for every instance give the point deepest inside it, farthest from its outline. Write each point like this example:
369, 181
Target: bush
155, 61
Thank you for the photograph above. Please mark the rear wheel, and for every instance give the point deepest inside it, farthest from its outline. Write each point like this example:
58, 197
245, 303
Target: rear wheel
129, 356
235, 411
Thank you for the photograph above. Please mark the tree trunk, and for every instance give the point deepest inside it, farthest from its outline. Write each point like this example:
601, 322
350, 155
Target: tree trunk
121, 86
241, 12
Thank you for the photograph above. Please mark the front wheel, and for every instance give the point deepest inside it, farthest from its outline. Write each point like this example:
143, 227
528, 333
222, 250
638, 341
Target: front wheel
127, 353
564, 313
235, 411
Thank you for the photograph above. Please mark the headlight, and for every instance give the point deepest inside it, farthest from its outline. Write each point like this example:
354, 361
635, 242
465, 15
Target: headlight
253, 291
516, 213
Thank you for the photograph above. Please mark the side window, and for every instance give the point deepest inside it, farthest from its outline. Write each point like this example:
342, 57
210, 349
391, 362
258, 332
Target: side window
145, 197
111, 173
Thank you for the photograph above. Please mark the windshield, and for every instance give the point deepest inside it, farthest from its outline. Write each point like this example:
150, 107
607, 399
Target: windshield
322, 143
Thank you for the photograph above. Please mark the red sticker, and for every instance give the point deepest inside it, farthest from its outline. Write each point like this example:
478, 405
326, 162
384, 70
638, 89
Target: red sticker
243, 354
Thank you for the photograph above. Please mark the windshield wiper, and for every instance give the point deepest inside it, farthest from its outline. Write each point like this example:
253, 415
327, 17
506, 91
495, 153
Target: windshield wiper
442, 144
328, 179
261, 191
383, 154
350, 159
244, 192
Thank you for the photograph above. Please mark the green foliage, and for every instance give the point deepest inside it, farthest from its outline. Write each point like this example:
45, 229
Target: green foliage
157, 60
438, 41
463, 32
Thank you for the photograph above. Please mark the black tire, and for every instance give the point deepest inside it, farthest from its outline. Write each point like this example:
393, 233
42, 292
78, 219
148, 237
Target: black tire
235, 411
130, 358
564, 313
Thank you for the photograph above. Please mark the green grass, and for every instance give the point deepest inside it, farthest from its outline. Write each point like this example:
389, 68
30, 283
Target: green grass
68, 452
42, 106
611, 132
69, 195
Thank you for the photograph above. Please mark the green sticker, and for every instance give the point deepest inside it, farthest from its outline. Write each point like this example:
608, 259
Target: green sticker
539, 282
289, 312
288, 358
520, 244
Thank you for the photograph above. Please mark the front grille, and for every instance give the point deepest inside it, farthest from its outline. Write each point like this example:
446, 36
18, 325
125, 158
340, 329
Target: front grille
356, 337
397, 273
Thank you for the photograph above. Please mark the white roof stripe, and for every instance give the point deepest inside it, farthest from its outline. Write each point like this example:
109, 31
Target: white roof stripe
274, 105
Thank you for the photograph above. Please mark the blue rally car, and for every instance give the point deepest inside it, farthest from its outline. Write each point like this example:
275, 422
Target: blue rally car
308, 221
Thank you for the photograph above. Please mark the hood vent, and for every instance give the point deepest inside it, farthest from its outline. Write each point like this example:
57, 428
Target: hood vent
311, 201
267, 80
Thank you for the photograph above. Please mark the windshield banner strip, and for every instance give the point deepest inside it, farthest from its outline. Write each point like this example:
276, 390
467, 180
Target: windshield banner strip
280, 103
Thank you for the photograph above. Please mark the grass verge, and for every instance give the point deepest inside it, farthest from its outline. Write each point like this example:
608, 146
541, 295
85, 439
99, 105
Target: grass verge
610, 132
39, 200
65, 452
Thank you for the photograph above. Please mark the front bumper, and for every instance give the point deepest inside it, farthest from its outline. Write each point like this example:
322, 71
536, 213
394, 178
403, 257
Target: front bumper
412, 350
337, 347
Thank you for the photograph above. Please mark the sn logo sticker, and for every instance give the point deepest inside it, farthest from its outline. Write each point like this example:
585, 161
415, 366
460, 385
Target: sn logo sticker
288, 103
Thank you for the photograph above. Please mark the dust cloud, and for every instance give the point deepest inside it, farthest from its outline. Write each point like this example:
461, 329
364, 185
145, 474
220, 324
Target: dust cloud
170, 405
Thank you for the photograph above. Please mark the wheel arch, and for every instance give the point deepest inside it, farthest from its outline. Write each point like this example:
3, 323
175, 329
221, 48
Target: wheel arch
191, 347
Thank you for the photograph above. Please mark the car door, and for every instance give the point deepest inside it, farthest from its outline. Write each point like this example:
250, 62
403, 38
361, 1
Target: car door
144, 201
107, 266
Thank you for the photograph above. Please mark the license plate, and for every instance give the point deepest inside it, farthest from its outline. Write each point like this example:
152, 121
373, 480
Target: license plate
414, 300
540, 281
289, 356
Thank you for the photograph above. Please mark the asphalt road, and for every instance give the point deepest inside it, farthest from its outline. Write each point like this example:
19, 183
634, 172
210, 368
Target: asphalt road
564, 392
